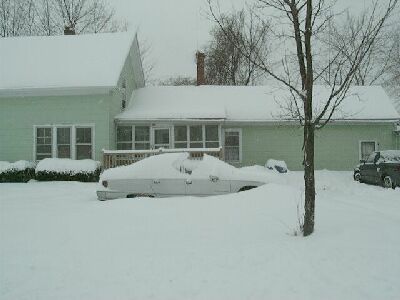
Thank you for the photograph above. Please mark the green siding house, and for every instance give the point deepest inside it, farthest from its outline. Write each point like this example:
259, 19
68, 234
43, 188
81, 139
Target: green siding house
73, 96
59, 95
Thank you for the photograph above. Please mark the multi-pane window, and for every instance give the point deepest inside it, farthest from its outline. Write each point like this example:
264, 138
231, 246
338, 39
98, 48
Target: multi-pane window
366, 148
196, 136
124, 137
232, 145
43, 142
83, 142
64, 142
212, 137
142, 137
180, 134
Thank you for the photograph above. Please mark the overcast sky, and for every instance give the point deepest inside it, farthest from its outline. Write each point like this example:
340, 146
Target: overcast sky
177, 28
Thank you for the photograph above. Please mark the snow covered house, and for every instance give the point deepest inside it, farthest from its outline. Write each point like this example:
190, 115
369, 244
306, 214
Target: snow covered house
73, 96
59, 95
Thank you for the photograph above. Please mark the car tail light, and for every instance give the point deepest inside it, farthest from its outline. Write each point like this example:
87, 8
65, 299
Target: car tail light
104, 183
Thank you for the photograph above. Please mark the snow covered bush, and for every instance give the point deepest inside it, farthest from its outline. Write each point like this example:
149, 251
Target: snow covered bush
278, 165
19, 171
61, 169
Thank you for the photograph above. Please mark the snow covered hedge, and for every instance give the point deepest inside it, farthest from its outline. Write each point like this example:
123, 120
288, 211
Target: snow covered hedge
19, 171
57, 169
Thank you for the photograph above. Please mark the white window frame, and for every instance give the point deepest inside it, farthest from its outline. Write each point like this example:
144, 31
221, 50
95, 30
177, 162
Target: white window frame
35, 140
73, 138
239, 130
366, 141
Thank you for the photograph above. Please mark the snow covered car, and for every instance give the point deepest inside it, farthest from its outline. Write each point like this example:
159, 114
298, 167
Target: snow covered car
175, 174
381, 167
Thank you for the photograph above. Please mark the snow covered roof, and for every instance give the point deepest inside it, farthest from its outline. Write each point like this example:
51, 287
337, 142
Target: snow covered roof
59, 62
255, 103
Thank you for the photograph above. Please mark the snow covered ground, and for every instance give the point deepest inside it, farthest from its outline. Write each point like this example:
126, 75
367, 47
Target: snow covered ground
58, 242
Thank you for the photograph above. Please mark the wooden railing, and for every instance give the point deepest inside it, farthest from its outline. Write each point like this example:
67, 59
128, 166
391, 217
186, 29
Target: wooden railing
115, 158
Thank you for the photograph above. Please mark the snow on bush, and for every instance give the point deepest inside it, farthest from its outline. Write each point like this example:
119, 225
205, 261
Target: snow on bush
278, 165
20, 165
62, 169
19, 171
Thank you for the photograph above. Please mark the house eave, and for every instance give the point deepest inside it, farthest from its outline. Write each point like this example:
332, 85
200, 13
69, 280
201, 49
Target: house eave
252, 122
55, 91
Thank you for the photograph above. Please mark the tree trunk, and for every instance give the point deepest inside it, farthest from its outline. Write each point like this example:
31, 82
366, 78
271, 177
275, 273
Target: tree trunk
309, 179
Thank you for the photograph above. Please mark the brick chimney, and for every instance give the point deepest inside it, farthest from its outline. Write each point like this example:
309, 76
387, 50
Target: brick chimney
69, 30
201, 79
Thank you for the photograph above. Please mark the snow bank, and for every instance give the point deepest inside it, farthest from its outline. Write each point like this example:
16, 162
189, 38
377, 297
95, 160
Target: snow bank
20, 165
278, 165
64, 165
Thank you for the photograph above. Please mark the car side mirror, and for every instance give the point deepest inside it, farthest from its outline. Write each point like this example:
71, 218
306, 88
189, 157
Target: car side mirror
214, 178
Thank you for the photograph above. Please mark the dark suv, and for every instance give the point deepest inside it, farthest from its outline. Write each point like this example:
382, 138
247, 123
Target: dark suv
381, 167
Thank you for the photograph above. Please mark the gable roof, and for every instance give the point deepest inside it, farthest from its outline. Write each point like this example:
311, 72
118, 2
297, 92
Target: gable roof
248, 103
62, 62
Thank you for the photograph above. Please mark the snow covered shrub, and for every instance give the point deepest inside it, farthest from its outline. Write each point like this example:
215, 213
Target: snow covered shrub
20, 171
57, 169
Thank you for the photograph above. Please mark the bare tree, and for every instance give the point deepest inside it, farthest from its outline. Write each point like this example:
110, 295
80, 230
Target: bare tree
179, 81
146, 55
17, 17
225, 64
85, 15
343, 37
305, 20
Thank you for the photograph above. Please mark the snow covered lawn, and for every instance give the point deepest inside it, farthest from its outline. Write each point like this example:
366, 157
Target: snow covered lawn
58, 242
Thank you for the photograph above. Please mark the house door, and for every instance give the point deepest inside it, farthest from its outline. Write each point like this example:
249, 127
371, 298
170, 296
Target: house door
161, 138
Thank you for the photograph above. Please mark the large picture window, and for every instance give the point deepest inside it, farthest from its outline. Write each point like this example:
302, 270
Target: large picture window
64, 141
44, 144
83, 143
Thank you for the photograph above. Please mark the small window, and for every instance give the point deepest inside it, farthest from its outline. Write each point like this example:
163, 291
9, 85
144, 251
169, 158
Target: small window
142, 137
196, 136
64, 142
124, 137
83, 143
43, 143
180, 133
366, 148
232, 145
212, 136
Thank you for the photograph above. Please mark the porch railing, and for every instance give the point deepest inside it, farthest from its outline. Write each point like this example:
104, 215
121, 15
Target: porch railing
115, 158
